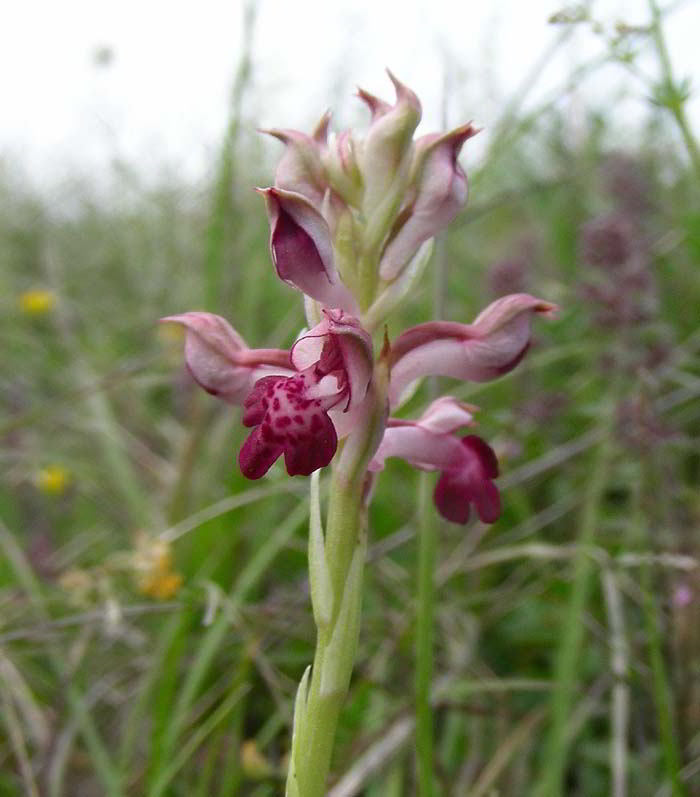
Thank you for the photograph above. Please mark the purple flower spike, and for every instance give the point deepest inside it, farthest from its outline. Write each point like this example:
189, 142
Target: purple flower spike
301, 248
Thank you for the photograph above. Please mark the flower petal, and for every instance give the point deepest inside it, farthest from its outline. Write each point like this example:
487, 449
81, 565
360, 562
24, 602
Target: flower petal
447, 414
388, 141
338, 335
258, 454
427, 443
468, 465
469, 483
484, 350
300, 168
219, 359
420, 447
301, 248
441, 194
287, 421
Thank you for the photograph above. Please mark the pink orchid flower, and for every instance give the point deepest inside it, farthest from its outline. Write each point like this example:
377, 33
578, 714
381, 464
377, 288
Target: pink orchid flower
301, 402
468, 465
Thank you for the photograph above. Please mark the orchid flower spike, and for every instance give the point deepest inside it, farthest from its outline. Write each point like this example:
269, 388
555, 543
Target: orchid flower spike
352, 223
351, 227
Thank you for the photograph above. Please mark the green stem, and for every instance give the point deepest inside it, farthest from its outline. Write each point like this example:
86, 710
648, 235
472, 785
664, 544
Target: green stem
553, 762
677, 107
427, 552
344, 547
660, 687
425, 638
366, 279
661, 690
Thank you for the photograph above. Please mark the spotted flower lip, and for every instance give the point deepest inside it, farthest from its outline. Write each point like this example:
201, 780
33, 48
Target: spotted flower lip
468, 465
488, 348
220, 361
291, 415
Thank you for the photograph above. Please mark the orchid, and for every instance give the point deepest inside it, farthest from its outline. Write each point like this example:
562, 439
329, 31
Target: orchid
351, 221
301, 402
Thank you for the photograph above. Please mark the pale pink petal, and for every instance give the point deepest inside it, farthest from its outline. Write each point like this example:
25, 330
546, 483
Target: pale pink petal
219, 360
300, 168
484, 350
419, 446
377, 106
388, 141
441, 194
447, 414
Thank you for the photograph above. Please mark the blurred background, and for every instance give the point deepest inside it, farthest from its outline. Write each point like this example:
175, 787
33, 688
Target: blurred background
154, 611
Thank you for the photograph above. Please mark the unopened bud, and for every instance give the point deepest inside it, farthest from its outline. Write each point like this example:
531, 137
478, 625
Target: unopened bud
388, 142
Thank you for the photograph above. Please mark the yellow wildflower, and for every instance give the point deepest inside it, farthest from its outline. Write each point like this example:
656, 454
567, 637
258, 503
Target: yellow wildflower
162, 585
37, 302
153, 563
53, 480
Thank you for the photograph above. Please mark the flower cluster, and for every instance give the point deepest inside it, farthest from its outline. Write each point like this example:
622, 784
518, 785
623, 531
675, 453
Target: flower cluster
351, 227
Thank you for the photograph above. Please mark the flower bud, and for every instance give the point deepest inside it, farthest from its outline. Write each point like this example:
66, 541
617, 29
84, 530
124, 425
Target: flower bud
388, 142
340, 161
441, 192
301, 168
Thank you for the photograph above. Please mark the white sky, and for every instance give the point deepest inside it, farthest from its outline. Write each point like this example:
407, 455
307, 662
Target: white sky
163, 100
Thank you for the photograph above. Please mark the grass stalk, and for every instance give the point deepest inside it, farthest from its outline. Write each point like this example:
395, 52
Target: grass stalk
17, 741
199, 735
425, 637
216, 633
105, 769
660, 684
661, 688
553, 762
620, 708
